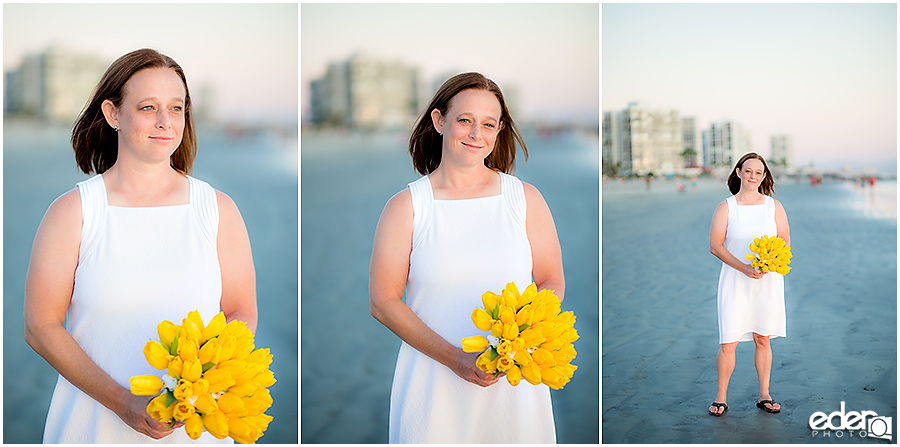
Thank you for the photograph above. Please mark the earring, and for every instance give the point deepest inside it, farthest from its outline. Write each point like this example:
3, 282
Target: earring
440, 133
116, 128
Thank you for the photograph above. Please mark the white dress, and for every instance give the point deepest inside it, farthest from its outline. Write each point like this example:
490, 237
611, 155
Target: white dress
749, 305
137, 266
461, 249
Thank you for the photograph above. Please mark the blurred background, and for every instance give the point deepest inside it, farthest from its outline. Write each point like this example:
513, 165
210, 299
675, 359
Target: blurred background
241, 62
367, 72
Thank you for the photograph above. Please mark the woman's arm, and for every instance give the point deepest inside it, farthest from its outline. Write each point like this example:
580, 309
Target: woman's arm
48, 291
781, 222
717, 243
546, 254
236, 262
388, 273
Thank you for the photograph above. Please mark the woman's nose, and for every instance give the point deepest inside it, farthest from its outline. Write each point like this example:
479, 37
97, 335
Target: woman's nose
162, 120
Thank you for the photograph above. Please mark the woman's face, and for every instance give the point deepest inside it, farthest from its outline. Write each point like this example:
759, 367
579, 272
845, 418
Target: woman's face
151, 116
469, 127
752, 173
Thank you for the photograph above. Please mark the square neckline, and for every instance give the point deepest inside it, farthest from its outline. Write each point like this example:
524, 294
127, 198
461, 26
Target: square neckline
188, 204
431, 192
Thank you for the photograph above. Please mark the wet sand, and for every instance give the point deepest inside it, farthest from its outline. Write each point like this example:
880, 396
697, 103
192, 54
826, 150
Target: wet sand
660, 322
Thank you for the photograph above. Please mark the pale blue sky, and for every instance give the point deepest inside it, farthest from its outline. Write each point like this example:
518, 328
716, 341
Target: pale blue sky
824, 73
549, 52
247, 52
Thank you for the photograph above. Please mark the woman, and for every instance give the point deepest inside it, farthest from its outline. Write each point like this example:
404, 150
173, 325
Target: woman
464, 228
139, 243
751, 303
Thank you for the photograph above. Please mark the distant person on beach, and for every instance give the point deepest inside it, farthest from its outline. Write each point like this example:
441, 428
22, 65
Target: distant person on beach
139, 243
466, 227
750, 302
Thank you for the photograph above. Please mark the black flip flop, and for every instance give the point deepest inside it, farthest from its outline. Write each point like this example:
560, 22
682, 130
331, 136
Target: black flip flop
762, 404
718, 405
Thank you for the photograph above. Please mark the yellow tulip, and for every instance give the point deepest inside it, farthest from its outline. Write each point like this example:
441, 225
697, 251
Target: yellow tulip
228, 344
191, 370
242, 432
567, 370
749, 257
183, 410
474, 344
215, 327
570, 335
510, 295
263, 356
264, 379
507, 314
528, 295
510, 330
235, 367
184, 390
484, 362
219, 380
258, 402
156, 355
532, 337
532, 373
504, 363
524, 315
157, 408
232, 405
482, 319
552, 378
554, 344
187, 349
175, 366
565, 354
261, 421
490, 300
544, 327
497, 328
190, 331
210, 352
167, 332
247, 389
513, 375
194, 426
147, 385
216, 424
504, 347
201, 387
538, 311
206, 404
242, 349
522, 357
543, 357
566, 318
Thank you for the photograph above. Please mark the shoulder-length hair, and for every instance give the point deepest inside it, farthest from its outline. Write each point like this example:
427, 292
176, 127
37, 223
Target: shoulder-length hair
425, 142
767, 186
95, 142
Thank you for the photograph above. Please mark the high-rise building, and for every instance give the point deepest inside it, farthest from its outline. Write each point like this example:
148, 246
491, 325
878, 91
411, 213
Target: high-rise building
54, 85
724, 143
653, 138
782, 154
690, 147
364, 92
615, 161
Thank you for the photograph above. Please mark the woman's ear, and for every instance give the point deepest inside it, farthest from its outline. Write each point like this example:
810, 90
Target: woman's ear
111, 113
438, 121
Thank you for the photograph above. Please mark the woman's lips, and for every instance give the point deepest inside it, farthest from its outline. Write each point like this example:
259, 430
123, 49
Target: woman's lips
470, 146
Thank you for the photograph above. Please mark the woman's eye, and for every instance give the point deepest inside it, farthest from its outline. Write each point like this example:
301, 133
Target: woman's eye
146, 108
491, 125
464, 120
177, 108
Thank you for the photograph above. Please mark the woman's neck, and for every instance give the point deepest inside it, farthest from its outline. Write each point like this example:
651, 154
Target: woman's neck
749, 197
131, 185
470, 182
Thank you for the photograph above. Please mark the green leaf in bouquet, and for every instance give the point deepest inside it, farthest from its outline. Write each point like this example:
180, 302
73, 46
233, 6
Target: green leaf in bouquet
207, 366
170, 398
174, 348
494, 354
496, 312
523, 327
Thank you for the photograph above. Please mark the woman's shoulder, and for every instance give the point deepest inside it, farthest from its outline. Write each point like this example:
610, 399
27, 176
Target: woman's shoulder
64, 215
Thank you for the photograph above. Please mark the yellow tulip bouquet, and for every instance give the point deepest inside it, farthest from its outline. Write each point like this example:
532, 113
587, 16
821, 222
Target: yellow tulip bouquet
772, 255
216, 380
530, 337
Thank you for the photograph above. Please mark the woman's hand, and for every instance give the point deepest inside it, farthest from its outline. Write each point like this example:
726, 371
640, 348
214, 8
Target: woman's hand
466, 369
748, 270
134, 413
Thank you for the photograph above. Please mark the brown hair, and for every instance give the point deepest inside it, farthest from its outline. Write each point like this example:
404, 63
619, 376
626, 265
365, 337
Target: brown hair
767, 186
95, 143
425, 142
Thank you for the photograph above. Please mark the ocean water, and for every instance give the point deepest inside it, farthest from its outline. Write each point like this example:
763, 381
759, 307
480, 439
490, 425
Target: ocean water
347, 357
258, 171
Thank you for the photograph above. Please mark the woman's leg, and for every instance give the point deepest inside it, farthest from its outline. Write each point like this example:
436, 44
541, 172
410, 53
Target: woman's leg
724, 368
763, 360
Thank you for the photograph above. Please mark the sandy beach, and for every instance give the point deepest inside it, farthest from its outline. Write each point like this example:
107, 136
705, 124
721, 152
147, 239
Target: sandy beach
660, 324
260, 175
347, 357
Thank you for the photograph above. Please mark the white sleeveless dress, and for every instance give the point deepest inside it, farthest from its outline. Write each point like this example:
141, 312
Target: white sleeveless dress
137, 266
461, 249
749, 305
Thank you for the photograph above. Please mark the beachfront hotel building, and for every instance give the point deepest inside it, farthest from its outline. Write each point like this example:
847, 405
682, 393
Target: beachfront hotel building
689, 144
782, 154
53, 85
365, 92
642, 140
724, 143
